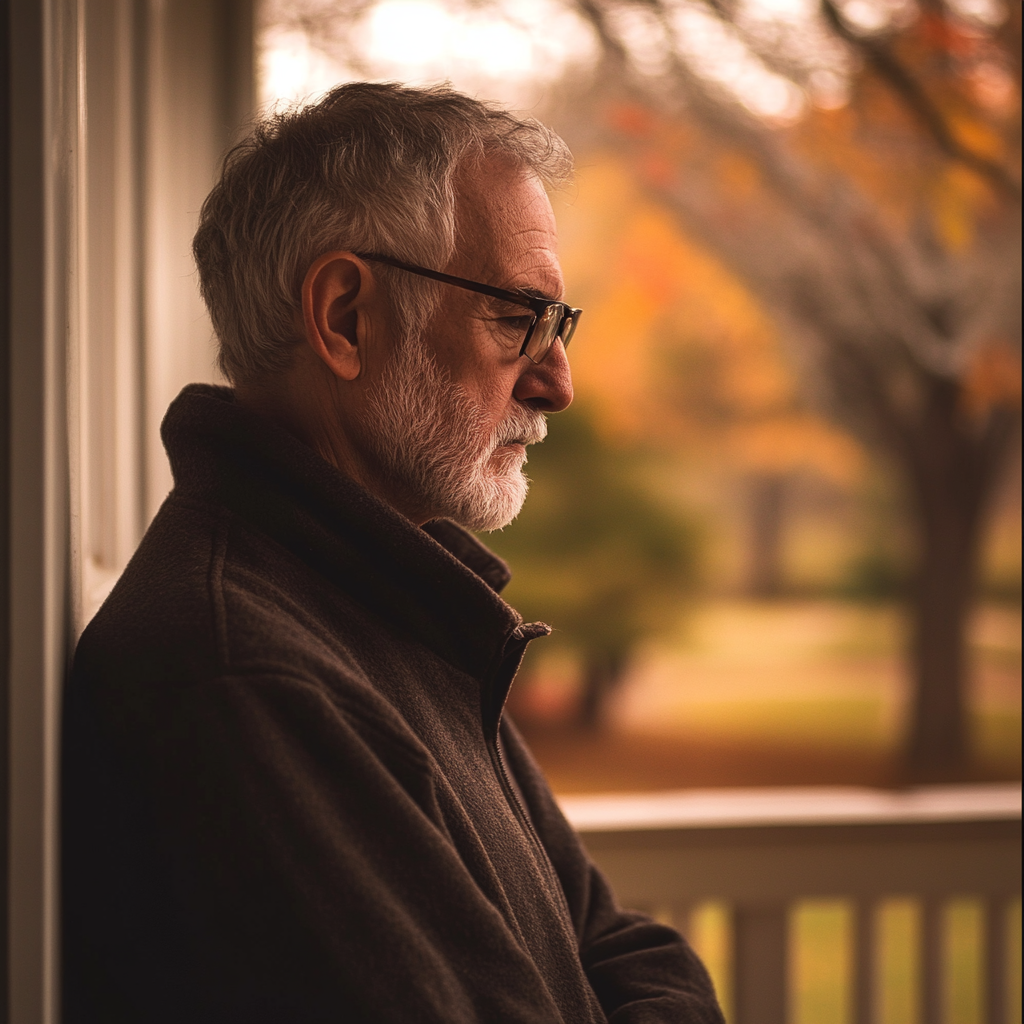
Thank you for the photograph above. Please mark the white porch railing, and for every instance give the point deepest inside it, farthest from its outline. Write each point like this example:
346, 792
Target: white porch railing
762, 853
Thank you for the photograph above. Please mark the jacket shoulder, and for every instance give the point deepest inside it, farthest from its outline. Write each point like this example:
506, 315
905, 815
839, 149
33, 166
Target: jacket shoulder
207, 595
158, 616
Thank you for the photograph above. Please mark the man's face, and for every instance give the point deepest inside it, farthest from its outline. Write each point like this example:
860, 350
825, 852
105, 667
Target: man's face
454, 409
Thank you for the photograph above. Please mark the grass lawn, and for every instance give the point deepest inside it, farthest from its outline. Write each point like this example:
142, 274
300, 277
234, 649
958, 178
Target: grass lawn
773, 693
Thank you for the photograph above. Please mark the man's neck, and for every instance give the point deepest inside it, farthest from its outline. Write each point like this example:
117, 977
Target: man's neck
309, 411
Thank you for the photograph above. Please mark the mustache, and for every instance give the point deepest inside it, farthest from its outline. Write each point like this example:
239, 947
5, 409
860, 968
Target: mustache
521, 426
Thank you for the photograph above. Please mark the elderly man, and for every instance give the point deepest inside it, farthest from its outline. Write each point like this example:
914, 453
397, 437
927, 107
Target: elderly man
290, 795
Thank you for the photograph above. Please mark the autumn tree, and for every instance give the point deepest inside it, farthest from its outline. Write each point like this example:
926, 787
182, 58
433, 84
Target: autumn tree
883, 230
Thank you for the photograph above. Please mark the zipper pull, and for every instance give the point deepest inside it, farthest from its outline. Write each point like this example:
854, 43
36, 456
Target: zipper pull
530, 631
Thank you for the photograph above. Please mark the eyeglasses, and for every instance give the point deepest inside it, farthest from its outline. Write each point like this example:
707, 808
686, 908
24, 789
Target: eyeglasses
551, 319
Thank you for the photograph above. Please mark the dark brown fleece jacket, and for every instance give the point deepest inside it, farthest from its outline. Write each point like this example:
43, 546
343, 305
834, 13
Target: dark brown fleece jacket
288, 792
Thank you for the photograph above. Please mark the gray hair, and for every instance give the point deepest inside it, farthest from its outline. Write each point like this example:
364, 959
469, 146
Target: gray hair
368, 168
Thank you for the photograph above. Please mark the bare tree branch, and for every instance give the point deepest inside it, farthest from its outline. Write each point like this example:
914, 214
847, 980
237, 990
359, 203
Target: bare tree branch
909, 90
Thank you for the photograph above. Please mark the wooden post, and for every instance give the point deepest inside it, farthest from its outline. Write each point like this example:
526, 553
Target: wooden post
864, 955
933, 936
760, 971
995, 961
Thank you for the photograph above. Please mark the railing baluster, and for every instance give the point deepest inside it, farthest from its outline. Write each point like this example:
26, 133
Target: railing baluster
864, 956
995, 961
933, 940
760, 968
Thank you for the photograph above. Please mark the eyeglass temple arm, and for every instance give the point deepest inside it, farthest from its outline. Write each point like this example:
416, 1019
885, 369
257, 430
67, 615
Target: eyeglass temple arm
537, 305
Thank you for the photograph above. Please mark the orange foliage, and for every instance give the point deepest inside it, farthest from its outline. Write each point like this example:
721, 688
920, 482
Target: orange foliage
876, 142
738, 174
799, 441
630, 119
956, 198
993, 378
673, 349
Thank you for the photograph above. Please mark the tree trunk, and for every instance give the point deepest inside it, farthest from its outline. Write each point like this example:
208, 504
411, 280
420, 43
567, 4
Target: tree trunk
941, 603
767, 497
602, 672
952, 474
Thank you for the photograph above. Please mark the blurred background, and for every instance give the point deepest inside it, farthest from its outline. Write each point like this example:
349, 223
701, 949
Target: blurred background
778, 533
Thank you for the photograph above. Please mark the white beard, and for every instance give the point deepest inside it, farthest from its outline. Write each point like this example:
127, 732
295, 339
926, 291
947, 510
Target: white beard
425, 434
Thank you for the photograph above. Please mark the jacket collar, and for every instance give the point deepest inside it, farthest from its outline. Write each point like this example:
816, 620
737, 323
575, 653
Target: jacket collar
437, 584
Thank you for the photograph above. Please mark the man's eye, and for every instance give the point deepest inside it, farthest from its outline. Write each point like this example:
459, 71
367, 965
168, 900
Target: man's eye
517, 325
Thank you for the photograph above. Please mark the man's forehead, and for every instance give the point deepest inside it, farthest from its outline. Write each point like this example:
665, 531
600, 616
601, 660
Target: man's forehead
506, 227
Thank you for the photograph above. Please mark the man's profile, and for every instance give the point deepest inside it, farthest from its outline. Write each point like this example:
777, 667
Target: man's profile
290, 794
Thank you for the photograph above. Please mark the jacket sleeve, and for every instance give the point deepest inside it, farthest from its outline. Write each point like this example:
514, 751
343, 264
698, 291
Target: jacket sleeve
642, 972
242, 851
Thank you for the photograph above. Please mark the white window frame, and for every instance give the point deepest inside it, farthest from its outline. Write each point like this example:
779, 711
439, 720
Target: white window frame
120, 111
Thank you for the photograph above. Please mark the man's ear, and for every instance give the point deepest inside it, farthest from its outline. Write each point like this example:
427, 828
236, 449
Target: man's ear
335, 295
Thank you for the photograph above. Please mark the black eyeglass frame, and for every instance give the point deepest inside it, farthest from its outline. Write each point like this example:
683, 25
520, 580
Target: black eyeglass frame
535, 304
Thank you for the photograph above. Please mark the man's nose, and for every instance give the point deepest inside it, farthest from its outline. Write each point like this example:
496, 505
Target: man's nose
547, 385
